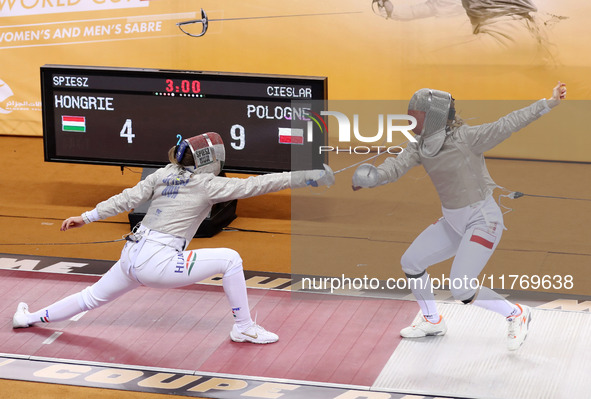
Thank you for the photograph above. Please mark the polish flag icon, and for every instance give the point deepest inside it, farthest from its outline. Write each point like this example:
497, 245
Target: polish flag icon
483, 238
291, 136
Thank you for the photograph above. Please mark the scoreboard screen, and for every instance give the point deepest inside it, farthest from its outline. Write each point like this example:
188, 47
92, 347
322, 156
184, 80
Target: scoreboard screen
131, 117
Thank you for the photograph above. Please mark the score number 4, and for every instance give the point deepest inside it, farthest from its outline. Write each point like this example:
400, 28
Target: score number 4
126, 131
236, 132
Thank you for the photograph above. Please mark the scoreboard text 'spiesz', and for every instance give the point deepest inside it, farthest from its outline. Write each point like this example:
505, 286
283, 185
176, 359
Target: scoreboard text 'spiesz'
126, 116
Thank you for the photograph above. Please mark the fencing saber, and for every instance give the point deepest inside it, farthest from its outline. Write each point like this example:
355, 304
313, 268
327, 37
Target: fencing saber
518, 194
204, 20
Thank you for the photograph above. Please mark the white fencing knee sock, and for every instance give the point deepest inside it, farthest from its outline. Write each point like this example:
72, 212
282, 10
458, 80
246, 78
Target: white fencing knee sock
235, 289
60, 310
423, 292
490, 300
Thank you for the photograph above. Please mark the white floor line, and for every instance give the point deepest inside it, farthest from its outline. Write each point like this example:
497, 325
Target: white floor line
52, 338
78, 316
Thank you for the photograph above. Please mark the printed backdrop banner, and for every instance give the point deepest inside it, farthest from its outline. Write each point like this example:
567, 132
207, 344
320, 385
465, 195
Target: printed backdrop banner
383, 50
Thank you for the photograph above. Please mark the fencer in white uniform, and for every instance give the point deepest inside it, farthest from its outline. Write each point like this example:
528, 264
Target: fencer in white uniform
497, 25
156, 254
472, 224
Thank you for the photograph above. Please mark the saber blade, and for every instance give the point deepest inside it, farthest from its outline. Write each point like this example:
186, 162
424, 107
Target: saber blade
287, 16
205, 20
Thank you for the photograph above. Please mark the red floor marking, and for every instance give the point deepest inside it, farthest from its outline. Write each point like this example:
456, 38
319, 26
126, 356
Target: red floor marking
193, 345
289, 321
233, 356
384, 333
155, 323
322, 338
36, 292
316, 335
346, 339
179, 330
113, 326
315, 332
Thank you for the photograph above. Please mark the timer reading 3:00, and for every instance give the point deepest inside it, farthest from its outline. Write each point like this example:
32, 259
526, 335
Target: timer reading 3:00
183, 86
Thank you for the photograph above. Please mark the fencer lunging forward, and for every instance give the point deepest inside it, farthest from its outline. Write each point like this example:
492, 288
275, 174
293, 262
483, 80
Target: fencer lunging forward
472, 223
155, 255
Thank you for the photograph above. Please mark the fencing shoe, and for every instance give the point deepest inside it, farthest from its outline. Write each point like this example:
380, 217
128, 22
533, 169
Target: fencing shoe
20, 318
424, 328
255, 334
518, 327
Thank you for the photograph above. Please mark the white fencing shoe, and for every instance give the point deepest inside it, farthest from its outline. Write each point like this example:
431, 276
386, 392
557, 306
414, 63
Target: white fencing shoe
255, 334
20, 318
424, 328
518, 327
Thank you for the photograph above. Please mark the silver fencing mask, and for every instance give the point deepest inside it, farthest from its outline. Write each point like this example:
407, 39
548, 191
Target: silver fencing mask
208, 152
431, 109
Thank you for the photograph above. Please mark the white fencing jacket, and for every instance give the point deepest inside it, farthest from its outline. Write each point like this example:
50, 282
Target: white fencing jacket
458, 170
182, 200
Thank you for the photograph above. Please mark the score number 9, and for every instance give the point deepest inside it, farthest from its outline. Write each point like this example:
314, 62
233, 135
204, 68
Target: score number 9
237, 133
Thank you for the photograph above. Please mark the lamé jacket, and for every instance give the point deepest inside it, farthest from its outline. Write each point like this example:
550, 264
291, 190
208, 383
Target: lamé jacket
182, 200
458, 170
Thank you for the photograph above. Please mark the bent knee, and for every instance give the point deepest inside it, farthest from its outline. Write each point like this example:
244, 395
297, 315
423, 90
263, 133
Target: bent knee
464, 294
410, 265
234, 264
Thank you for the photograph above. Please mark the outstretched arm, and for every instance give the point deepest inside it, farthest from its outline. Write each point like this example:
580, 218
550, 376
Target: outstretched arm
224, 189
410, 11
484, 137
125, 201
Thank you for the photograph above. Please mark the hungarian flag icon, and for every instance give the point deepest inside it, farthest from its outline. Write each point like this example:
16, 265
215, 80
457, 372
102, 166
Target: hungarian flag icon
73, 123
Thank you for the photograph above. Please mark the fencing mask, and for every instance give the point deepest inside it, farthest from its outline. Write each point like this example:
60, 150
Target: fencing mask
431, 109
208, 152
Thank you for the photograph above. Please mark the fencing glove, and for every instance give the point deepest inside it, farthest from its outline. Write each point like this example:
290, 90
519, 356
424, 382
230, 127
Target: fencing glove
319, 177
366, 176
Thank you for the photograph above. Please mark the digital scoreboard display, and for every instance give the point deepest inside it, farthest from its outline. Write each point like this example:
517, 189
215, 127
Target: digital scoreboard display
131, 117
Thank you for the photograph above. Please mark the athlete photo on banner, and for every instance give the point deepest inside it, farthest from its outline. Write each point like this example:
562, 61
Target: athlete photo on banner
377, 198
502, 31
